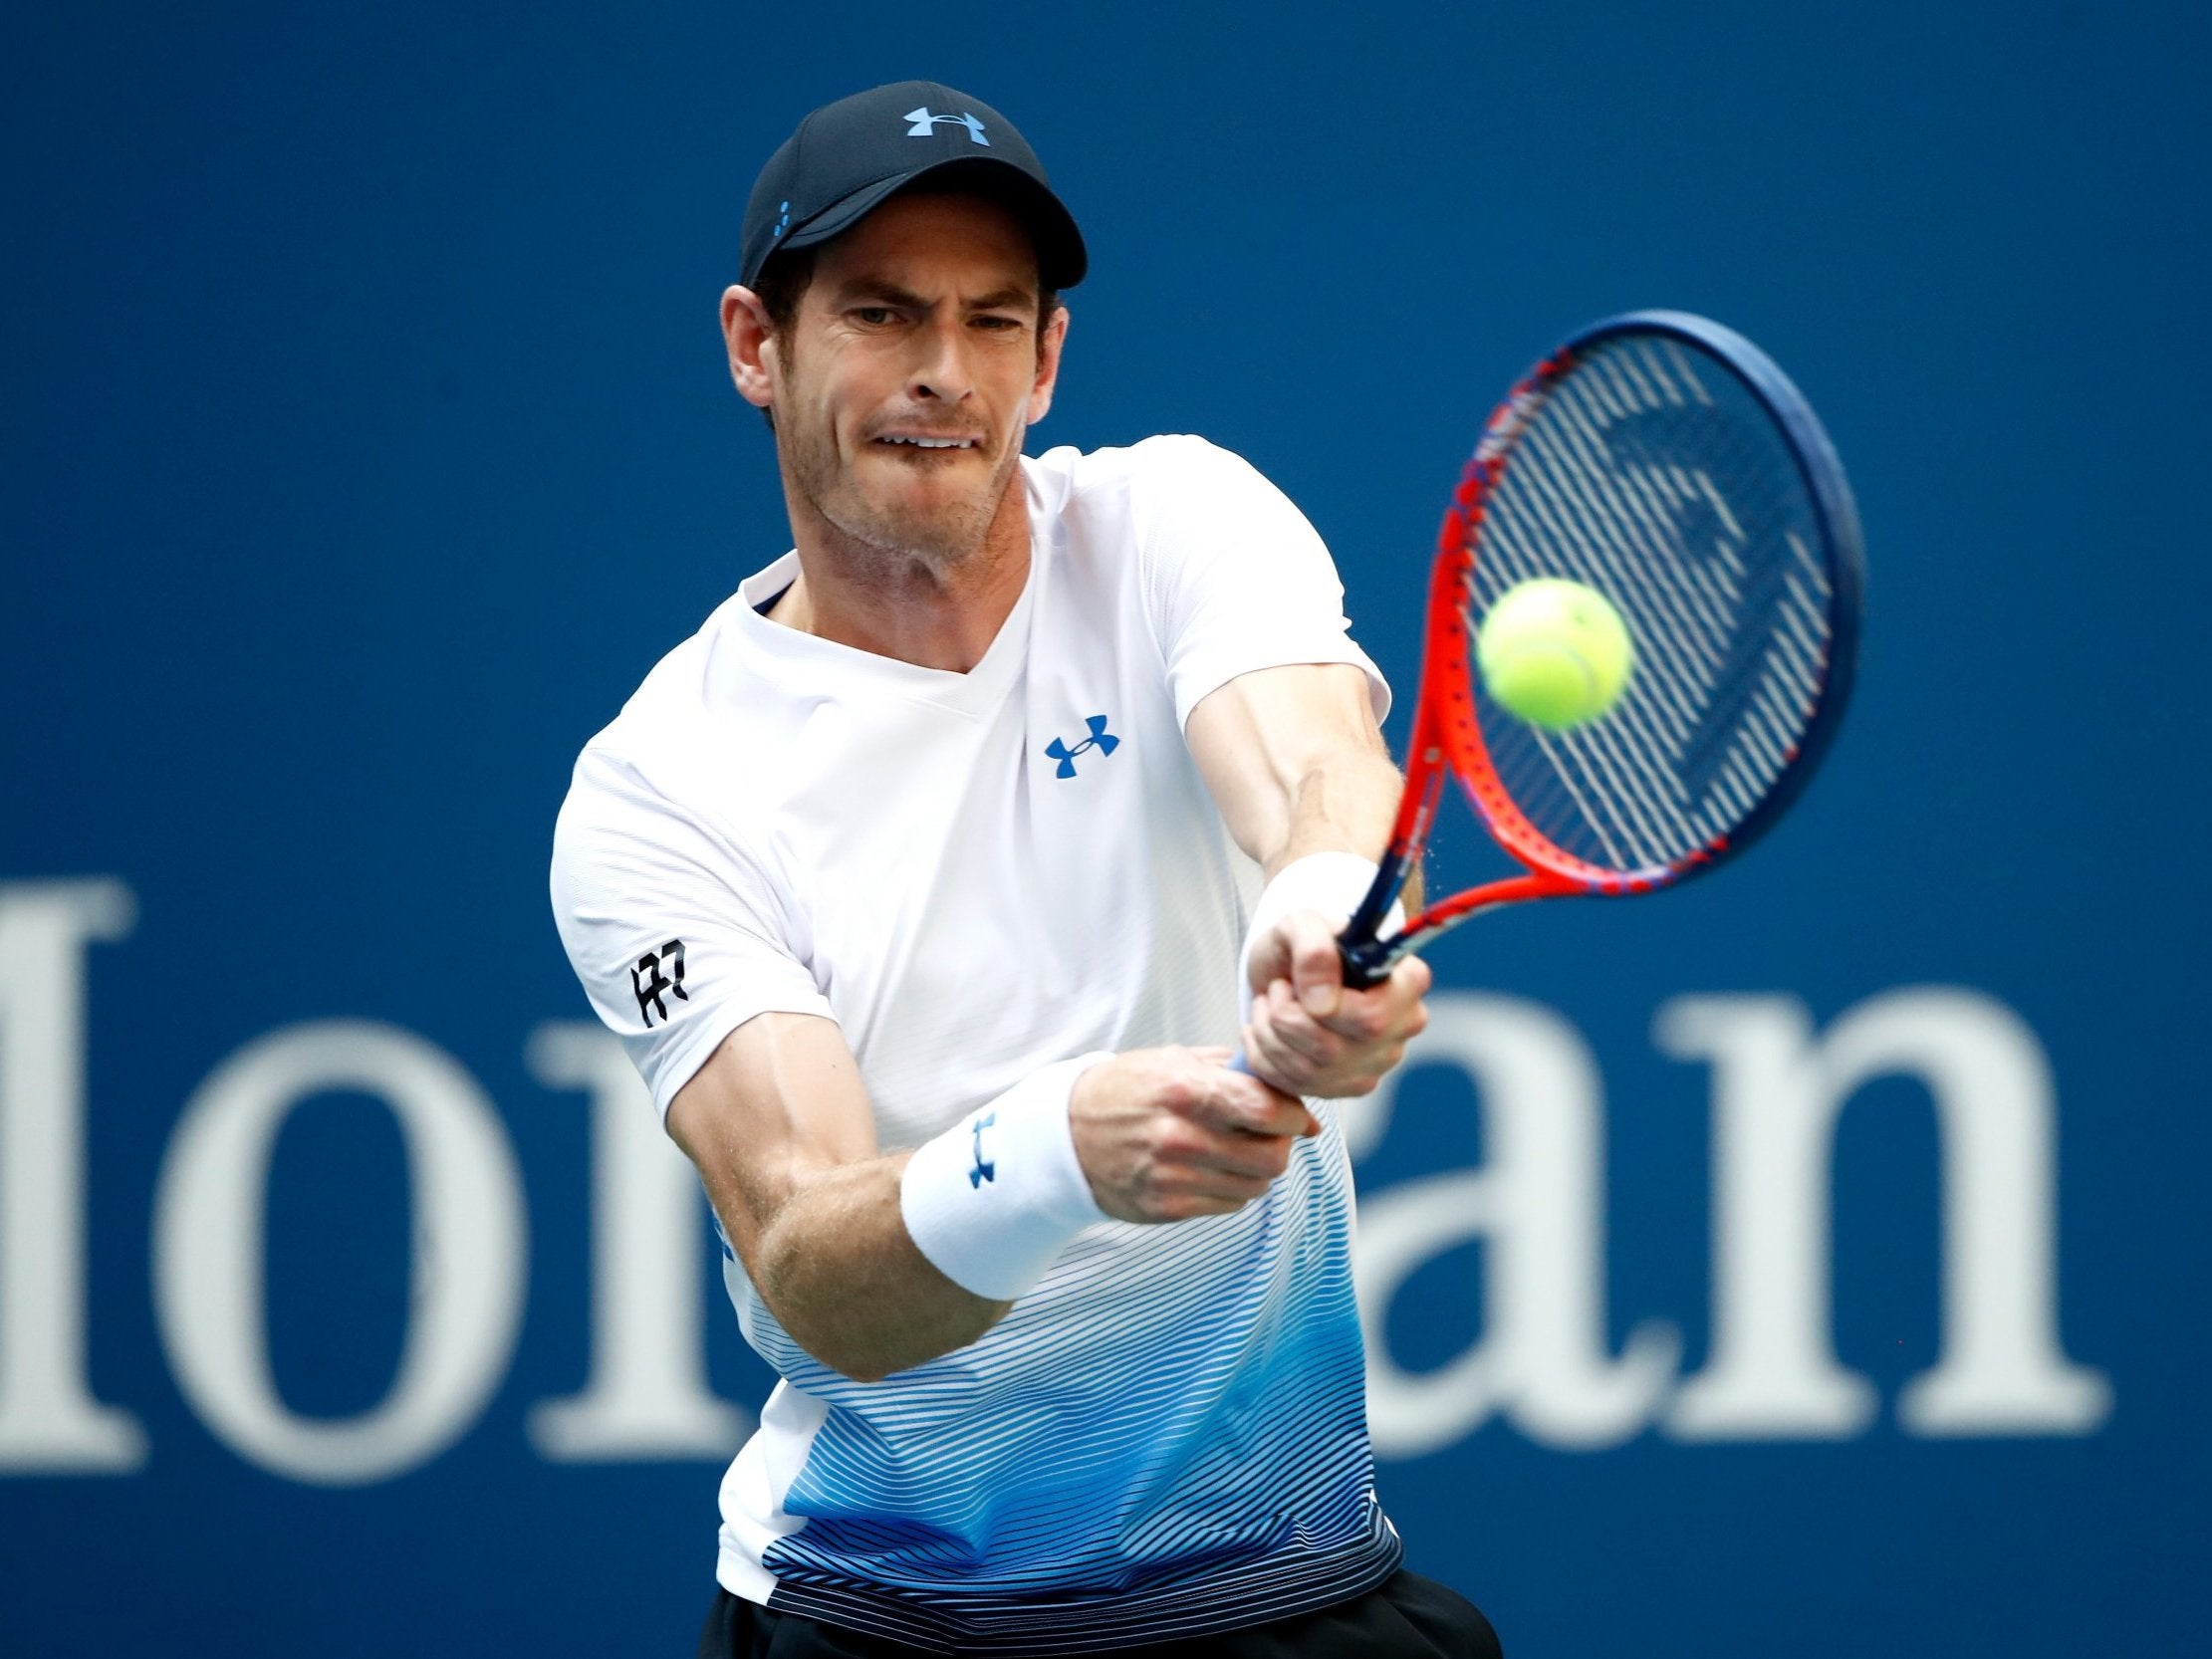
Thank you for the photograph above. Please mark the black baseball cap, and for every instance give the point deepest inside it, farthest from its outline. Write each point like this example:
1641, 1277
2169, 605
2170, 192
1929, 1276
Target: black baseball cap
848, 157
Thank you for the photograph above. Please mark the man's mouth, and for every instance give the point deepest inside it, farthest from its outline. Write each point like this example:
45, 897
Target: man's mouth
921, 441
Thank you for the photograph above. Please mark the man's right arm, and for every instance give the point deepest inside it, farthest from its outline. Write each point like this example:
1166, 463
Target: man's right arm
779, 1125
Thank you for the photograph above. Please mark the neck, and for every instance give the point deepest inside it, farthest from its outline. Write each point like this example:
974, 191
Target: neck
924, 609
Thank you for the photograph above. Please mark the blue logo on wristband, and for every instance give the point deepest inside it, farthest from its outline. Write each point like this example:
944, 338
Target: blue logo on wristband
982, 1171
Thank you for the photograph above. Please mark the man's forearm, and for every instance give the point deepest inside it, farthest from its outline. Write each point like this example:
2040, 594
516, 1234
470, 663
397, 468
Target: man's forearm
842, 1274
1345, 805
1296, 764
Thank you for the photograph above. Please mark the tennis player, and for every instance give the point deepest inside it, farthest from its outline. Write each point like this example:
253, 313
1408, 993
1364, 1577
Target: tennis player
924, 885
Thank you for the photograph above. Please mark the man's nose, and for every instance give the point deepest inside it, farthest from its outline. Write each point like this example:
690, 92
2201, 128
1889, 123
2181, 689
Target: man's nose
941, 372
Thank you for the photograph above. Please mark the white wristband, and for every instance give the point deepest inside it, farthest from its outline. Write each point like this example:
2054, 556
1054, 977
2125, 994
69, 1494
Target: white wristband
991, 1201
1333, 884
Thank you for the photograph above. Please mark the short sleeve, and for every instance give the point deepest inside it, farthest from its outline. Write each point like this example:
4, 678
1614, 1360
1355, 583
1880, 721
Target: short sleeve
677, 939
1235, 578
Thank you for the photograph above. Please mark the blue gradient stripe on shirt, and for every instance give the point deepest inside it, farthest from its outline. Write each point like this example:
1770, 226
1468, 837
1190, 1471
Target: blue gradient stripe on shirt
1176, 1442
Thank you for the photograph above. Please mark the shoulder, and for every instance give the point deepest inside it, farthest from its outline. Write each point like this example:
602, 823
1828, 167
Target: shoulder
657, 728
652, 761
1161, 505
1155, 469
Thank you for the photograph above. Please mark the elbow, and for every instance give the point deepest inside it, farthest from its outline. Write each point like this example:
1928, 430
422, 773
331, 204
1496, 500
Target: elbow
838, 1342
835, 1330
848, 1353
867, 1351
854, 1358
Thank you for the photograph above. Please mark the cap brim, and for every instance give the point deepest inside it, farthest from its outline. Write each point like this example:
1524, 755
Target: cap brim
1061, 259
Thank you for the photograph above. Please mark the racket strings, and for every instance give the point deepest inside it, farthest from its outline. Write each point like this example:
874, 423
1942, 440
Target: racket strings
1650, 473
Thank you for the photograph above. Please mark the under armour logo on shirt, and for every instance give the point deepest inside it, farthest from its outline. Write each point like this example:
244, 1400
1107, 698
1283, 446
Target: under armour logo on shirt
1099, 739
983, 1171
922, 120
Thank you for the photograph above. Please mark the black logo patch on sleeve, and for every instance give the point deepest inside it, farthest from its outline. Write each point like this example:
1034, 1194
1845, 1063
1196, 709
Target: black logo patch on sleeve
657, 976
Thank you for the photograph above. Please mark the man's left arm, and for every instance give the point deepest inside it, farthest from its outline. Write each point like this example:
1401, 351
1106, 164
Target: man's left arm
1298, 768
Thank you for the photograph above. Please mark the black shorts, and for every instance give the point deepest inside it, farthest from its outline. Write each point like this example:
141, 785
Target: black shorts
1405, 1617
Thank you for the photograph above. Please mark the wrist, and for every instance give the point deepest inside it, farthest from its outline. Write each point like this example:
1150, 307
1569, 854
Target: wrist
991, 1201
1330, 883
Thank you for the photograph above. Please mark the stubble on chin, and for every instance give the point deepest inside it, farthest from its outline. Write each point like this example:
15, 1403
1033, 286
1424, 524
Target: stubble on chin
892, 535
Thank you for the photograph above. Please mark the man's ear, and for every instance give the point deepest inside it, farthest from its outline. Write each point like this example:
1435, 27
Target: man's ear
1048, 364
751, 339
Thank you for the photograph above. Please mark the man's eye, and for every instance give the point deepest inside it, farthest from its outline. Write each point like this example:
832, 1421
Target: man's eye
872, 314
998, 322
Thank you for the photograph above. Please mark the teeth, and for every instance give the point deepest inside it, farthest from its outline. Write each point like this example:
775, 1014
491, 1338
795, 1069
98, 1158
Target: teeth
935, 443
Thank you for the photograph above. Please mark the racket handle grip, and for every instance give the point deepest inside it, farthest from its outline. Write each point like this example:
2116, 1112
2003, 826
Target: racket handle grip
1367, 963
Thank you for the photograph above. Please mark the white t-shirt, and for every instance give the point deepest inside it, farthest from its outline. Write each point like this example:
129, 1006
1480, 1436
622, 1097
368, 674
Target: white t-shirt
976, 876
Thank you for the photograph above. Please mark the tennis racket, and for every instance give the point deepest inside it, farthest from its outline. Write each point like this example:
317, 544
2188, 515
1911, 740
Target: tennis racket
1667, 462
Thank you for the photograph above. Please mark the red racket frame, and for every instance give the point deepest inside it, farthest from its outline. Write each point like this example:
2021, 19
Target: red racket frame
1448, 735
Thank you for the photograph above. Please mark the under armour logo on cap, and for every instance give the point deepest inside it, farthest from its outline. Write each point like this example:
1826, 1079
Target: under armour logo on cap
848, 157
922, 120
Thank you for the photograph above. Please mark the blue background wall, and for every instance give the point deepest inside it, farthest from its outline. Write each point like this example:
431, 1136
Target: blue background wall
367, 437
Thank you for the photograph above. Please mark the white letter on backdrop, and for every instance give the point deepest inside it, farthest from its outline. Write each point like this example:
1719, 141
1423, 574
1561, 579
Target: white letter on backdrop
49, 1422
647, 1395
468, 1259
1537, 1201
1777, 1093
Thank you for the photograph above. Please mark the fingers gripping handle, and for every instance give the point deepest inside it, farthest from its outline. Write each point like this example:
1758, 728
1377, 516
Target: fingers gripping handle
1357, 977
1334, 885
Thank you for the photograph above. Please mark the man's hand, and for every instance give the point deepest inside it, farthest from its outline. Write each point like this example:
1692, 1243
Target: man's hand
1307, 1034
1164, 1134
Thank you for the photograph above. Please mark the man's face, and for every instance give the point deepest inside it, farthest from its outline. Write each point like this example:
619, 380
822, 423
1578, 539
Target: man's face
911, 372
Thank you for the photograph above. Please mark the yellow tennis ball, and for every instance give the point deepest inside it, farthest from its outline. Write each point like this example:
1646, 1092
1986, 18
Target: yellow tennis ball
1554, 652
